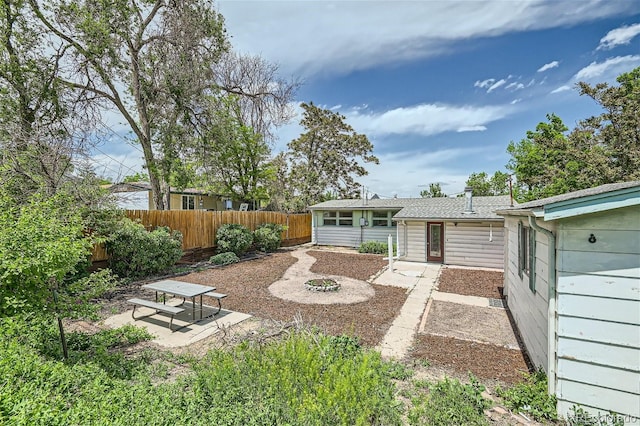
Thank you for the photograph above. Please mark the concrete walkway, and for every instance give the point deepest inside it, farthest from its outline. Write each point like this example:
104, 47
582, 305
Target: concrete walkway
419, 280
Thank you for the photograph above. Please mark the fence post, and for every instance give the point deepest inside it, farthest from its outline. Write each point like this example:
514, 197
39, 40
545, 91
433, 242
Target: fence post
287, 226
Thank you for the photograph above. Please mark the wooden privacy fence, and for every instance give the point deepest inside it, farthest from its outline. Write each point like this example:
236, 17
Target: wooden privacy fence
198, 227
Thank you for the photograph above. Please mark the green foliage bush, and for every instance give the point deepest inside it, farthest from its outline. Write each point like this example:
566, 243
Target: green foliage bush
268, 237
42, 245
233, 237
375, 247
450, 402
226, 258
136, 253
531, 396
303, 379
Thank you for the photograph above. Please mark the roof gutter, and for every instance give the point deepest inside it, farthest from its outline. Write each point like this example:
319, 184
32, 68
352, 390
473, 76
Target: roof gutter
552, 323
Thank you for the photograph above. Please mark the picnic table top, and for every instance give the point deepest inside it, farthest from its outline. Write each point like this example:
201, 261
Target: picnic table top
179, 288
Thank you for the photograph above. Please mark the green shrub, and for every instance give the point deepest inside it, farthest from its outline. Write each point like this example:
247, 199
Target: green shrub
375, 247
303, 379
268, 237
233, 237
226, 258
136, 253
531, 396
450, 402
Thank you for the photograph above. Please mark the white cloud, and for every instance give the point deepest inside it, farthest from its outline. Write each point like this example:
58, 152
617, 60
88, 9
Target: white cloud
416, 169
425, 119
561, 89
515, 101
515, 86
619, 36
609, 69
472, 129
484, 83
495, 85
548, 66
314, 37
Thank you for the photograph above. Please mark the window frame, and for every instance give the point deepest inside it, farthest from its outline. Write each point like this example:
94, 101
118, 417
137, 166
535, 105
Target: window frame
527, 254
190, 201
338, 217
388, 215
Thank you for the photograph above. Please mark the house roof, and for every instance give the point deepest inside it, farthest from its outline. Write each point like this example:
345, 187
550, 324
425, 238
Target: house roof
591, 200
425, 208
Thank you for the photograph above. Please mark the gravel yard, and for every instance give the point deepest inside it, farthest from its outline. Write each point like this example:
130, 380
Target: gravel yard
246, 284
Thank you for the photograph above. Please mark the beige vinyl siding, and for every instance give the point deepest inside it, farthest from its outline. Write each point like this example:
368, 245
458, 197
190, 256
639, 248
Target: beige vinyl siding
529, 309
467, 244
415, 239
599, 312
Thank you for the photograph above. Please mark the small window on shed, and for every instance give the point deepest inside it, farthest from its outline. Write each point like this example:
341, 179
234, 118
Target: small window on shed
527, 254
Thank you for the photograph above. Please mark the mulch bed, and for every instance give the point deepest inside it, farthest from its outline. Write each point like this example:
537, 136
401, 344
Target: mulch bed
483, 360
471, 282
352, 265
247, 285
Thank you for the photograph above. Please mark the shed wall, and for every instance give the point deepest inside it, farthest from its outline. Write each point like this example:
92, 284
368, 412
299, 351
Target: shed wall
529, 308
599, 312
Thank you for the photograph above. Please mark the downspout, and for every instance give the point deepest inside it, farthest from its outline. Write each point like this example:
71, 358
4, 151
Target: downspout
552, 307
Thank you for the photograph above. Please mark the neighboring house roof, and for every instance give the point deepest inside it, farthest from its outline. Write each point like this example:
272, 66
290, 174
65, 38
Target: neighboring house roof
425, 208
591, 200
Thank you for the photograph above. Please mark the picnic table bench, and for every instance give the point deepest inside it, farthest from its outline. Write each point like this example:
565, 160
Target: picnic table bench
159, 307
218, 297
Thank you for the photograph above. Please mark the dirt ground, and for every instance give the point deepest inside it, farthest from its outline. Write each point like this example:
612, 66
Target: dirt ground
461, 338
246, 284
471, 282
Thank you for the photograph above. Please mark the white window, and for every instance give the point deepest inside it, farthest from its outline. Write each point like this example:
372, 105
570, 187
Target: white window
188, 202
383, 219
337, 218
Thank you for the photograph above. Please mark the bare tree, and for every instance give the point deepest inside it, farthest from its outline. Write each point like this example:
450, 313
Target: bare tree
151, 61
265, 99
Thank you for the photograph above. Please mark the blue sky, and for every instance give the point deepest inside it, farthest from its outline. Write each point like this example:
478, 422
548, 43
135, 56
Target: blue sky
439, 87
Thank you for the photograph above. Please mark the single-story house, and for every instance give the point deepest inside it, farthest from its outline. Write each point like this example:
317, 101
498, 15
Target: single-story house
572, 281
138, 196
457, 231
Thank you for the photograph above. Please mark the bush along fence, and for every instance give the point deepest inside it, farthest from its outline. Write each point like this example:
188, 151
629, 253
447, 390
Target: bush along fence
198, 227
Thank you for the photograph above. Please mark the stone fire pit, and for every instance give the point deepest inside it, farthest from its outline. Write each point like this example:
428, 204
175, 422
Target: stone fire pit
322, 284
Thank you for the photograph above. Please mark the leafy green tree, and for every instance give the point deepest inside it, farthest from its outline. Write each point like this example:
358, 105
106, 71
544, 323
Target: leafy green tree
434, 191
613, 135
544, 163
234, 159
483, 185
326, 157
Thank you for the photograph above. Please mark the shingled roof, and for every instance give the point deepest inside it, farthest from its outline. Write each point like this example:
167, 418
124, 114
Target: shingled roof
425, 208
